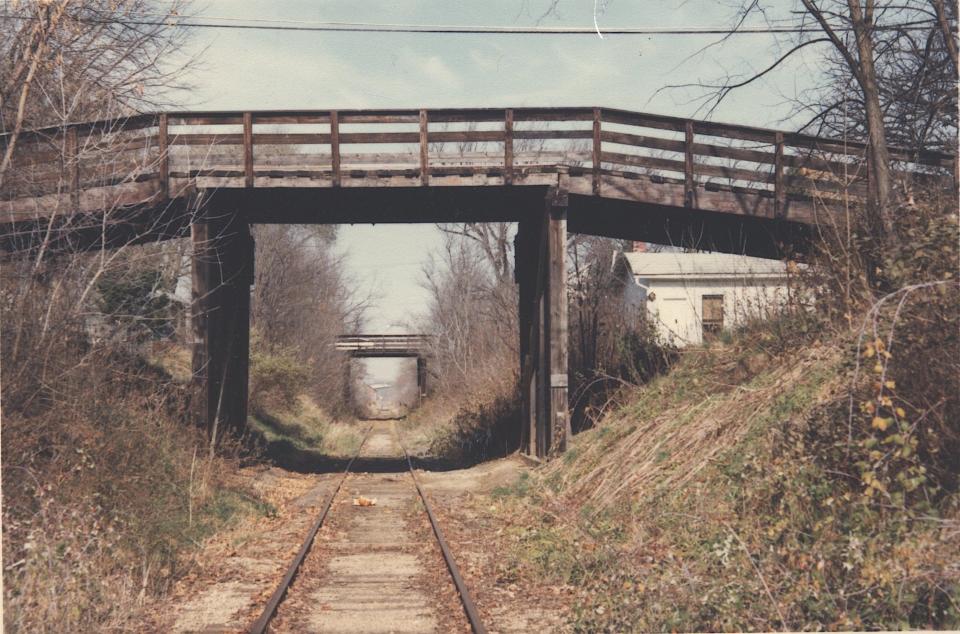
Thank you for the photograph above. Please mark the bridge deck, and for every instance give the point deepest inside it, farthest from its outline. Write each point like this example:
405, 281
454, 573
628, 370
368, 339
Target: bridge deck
595, 152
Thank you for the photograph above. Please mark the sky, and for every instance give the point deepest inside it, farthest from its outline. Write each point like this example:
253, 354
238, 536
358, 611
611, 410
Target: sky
260, 69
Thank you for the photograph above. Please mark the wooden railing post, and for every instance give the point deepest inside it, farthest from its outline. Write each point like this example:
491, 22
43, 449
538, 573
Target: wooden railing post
597, 147
164, 157
508, 147
335, 146
248, 148
690, 186
424, 156
779, 193
73, 165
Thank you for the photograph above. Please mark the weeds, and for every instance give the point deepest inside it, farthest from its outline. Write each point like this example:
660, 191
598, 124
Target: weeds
103, 495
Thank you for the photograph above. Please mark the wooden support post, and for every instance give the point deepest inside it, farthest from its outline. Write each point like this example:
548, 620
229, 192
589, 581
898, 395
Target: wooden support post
690, 185
163, 142
222, 275
73, 166
424, 146
779, 193
541, 380
526, 253
422, 376
508, 147
248, 148
597, 149
335, 146
556, 321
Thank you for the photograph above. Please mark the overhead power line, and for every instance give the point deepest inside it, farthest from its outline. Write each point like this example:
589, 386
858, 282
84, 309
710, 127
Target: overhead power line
262, 24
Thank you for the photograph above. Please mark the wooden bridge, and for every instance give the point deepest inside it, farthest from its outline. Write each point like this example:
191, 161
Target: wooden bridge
384, 345
379, 346
593, 170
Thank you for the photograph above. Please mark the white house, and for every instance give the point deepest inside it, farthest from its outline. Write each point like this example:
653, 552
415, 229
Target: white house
690, 295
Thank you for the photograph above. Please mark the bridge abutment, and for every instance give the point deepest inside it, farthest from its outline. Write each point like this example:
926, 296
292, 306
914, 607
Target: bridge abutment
222, 273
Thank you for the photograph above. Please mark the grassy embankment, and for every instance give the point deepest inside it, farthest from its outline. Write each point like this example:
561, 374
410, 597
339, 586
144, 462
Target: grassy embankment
291, 429
465, 429
107, 493
739, 492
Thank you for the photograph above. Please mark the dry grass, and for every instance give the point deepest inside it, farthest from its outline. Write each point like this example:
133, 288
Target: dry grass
104, 494
652, 444
721, 498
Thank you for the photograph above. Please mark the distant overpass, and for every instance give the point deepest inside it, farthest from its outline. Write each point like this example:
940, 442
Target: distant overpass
384, 345
373, 346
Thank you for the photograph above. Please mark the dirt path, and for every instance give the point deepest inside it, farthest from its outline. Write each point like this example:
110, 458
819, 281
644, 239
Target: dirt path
374, 568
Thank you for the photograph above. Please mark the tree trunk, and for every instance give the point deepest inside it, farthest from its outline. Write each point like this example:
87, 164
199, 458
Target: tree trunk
881, 186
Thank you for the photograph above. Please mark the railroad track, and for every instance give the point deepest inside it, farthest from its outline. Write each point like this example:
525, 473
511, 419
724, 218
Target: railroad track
280, 594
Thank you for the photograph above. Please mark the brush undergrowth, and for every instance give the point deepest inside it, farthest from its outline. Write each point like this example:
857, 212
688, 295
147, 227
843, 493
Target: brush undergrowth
700, 507
466, 429
105, 492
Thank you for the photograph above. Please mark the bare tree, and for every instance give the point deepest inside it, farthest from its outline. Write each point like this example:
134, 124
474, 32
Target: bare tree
302, 301
473, 306
889, 73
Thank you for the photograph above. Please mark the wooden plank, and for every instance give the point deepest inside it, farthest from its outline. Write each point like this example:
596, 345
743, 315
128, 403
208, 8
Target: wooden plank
248, 148
291, 138
207, 139
636, 140
807, 161
465, 136
597, 151
212, 118
379, 137
73, 166
552, 134
779, 192
625, 117
302, 117
552, 114
464, 115
335, 146
424, 146
680, 167
164, 157
690, 185
508, 147
346, 117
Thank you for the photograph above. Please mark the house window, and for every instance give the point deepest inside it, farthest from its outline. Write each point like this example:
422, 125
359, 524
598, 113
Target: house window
712, 315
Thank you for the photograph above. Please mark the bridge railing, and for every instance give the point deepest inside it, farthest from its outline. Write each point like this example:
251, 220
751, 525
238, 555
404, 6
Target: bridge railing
83, 165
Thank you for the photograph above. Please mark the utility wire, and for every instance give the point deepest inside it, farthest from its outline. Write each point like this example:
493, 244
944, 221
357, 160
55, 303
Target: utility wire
262, 24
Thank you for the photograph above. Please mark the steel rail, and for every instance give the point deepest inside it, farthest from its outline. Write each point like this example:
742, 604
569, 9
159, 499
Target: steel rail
469, 607
260, 625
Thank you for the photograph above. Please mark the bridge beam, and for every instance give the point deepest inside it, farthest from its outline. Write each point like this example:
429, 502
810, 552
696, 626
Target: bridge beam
222, 274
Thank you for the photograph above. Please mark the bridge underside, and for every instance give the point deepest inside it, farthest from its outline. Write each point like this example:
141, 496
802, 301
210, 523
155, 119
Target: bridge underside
219, 220
224, 261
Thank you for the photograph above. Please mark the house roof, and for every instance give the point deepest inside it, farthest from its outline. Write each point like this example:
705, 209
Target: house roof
676, 264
